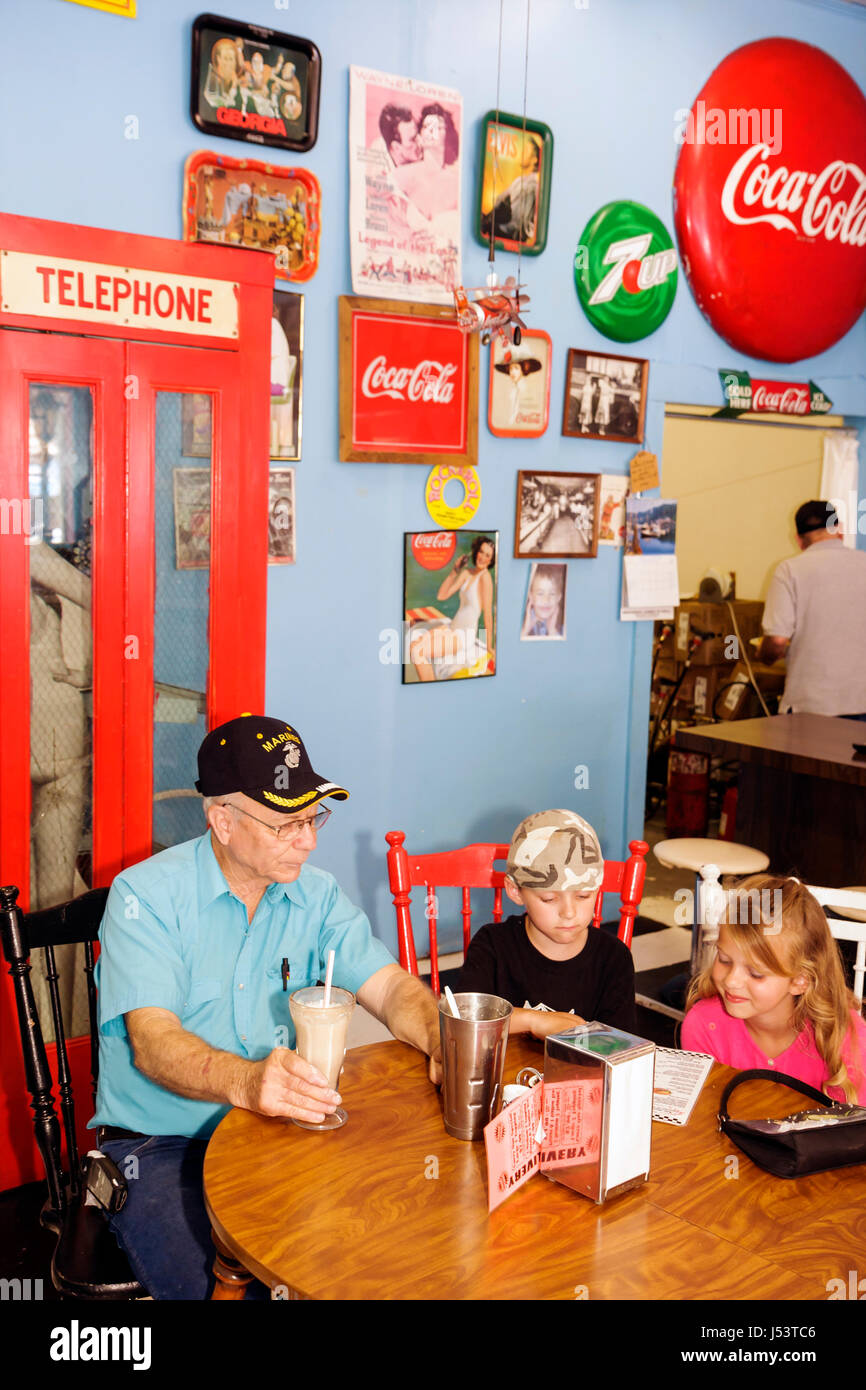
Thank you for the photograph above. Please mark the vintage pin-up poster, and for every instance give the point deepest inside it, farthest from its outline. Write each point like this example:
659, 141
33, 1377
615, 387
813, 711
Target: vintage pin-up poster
405, 149
449, 600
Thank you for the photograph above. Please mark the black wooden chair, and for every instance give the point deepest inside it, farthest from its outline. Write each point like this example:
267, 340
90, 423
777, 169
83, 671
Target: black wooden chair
87, 1262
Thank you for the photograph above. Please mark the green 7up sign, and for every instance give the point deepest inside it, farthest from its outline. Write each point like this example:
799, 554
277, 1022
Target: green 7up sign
625, 271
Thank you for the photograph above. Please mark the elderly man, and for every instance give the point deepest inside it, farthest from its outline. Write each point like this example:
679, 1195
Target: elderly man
197, 944
816, 612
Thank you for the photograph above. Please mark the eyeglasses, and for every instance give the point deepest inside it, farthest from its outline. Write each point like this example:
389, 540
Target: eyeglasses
290, 829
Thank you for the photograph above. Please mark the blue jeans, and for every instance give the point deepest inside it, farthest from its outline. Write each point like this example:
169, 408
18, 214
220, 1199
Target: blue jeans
163, 1228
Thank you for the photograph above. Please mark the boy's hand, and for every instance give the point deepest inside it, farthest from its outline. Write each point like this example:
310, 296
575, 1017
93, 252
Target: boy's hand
541, 1024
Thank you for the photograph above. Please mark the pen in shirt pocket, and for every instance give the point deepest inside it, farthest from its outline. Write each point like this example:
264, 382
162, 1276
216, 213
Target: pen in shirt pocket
285, 972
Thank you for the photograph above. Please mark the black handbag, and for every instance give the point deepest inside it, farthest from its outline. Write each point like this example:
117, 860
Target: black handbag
810, 1141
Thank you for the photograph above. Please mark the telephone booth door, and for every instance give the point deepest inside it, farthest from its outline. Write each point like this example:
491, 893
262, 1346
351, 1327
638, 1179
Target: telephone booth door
133, 554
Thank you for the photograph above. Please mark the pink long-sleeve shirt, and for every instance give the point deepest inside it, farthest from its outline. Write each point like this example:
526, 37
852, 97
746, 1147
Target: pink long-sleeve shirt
707, 1027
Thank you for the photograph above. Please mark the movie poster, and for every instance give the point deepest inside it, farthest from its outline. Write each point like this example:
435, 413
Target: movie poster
405, 149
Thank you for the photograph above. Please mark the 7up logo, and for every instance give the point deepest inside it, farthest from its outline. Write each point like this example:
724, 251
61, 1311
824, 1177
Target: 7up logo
633, 268
626, 271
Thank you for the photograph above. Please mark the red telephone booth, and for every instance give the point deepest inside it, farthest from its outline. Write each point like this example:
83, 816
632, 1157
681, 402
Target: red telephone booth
134, 381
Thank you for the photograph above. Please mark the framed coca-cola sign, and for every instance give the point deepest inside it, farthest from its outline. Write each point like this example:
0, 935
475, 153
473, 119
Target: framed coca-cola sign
408, 384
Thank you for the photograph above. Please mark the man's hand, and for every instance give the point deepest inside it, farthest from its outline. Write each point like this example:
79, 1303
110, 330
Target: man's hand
541, 1024
434, 1070
772, 648
285, 1085
407, 1007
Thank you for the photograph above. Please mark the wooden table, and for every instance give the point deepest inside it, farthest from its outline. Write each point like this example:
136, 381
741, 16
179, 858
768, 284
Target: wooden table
802, 791
391, 1207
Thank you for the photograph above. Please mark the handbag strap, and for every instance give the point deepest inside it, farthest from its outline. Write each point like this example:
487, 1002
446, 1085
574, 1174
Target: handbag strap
779, 1078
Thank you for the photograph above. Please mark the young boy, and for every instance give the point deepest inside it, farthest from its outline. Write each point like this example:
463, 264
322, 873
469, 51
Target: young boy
548, 957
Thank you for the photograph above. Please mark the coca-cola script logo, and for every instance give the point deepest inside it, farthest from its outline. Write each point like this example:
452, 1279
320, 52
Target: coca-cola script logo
410, 385
773, 236
428, 381
434, 549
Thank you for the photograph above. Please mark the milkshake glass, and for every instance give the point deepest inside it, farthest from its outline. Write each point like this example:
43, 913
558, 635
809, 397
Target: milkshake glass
321, 1038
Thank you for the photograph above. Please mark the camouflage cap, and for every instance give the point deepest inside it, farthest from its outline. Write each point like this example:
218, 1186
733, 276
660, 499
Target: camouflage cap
555, 850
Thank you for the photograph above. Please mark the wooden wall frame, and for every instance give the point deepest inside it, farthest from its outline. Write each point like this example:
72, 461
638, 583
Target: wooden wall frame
427, 387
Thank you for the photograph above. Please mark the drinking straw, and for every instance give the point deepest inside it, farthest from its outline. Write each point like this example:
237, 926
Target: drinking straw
329, 975
452, 1002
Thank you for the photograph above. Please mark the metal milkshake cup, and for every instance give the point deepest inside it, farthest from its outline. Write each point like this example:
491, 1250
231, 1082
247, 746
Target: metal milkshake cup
473, 1061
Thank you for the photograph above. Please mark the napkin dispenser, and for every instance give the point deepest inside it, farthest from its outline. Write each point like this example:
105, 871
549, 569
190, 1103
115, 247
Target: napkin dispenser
598, 1100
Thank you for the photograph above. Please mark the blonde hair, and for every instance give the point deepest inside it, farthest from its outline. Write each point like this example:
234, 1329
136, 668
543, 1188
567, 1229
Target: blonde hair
793, 940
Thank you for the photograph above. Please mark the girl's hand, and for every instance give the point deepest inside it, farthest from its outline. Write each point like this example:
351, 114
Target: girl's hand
459, 563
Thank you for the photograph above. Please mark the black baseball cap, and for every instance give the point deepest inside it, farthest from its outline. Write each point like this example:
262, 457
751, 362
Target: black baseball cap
266, 760
816, 516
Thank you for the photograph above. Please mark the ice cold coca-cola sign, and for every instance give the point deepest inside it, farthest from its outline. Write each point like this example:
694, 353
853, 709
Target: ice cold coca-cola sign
409, 384
770, 200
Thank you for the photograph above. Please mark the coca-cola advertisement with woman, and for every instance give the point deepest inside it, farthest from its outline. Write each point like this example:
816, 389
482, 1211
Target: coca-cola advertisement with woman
449, 593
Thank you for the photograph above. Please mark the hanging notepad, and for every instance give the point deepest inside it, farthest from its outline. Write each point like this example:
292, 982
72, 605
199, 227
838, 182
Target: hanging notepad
651, 581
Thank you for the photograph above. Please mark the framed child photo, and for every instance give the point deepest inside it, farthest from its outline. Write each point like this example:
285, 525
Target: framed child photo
557, 516
449, 604
254, 84
518, 402
605, 396
513, 198
544, 609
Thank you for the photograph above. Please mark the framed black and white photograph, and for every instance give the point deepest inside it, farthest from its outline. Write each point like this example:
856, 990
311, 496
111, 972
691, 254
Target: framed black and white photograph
287, 367
254, 84
281, 516
605, 396
557, 516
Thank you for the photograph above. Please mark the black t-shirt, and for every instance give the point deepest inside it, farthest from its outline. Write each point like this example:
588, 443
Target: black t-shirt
597, 984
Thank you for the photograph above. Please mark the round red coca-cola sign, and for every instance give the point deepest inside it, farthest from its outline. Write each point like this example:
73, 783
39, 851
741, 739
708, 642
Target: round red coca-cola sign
770, 200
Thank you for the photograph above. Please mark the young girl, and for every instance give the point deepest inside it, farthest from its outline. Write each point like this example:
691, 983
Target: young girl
775, 995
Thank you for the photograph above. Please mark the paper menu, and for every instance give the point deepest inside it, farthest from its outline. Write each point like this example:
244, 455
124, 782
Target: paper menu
555, 1125
678, 1081
513, 1151
571, 1119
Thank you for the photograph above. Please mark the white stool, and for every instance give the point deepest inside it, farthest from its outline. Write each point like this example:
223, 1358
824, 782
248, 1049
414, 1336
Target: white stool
731, 858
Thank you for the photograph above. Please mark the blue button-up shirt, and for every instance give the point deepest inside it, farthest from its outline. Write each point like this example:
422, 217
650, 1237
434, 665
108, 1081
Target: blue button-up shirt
175, 937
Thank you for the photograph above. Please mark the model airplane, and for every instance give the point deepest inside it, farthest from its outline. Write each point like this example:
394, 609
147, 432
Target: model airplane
493, 309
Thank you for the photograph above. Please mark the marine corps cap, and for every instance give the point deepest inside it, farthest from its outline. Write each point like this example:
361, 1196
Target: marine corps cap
555, 850
266, 760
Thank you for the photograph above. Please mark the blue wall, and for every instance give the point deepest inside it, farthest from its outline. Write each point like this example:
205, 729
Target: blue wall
447, 763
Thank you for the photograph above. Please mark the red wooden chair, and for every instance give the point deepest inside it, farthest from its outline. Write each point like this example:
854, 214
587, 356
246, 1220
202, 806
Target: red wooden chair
472, 867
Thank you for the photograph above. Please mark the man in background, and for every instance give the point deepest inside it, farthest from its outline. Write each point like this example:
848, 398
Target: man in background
816, 613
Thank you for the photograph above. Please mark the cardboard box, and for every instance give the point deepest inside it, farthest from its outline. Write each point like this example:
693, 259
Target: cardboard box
667, 645
715, 618
667, 669
700, 686
771, 681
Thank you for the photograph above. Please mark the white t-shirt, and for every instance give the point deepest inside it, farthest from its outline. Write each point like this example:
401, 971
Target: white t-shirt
818, 599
